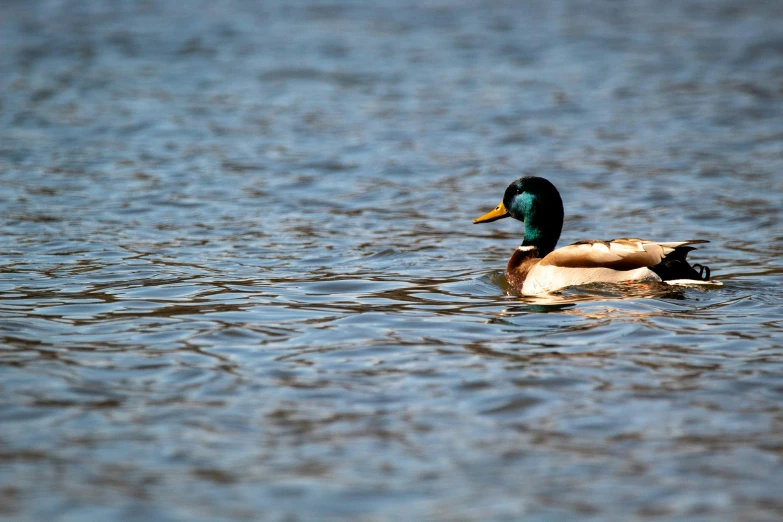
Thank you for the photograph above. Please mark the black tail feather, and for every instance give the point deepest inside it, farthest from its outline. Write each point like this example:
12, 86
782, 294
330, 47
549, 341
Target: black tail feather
704, 271
674, 266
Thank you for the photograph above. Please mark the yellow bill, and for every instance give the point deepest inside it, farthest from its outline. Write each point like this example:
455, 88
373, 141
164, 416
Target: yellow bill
500, 212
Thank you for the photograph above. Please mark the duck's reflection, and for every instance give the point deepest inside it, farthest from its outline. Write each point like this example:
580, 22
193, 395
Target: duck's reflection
567, 300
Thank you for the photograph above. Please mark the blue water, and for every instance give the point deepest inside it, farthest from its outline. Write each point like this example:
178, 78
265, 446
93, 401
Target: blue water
239, 279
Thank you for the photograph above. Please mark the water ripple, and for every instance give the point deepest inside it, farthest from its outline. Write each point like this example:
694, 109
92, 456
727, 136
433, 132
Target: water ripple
239, 279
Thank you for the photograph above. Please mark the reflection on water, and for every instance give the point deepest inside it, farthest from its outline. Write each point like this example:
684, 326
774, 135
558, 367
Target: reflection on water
239, 280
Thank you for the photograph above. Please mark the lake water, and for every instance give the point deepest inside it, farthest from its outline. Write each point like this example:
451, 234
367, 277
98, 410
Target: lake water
240, 280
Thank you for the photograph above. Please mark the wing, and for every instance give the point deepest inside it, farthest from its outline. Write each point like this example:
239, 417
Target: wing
626, 253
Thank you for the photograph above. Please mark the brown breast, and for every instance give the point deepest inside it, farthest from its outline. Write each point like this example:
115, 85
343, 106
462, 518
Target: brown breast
520, 264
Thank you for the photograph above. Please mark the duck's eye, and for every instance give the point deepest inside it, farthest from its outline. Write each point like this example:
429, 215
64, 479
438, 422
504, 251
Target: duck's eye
512, 192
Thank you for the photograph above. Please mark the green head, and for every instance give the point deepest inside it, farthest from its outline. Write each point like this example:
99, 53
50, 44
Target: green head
535, 202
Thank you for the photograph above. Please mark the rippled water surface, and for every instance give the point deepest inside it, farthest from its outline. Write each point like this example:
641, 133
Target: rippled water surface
239, 279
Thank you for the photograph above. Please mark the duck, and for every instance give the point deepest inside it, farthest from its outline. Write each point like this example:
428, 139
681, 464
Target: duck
537, 267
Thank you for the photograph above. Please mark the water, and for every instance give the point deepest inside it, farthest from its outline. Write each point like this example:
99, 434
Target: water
240, 280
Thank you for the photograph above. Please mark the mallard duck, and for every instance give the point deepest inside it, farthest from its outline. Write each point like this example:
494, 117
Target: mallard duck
536, 267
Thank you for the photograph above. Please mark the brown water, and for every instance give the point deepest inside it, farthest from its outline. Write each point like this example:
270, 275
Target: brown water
240, 280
